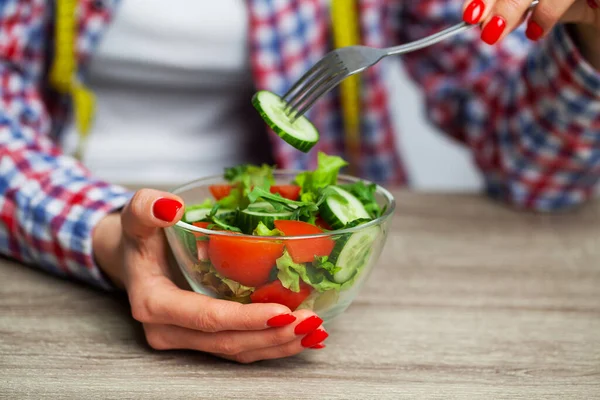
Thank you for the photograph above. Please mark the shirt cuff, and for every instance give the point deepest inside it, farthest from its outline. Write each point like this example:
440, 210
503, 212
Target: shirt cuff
573, 70
100, 201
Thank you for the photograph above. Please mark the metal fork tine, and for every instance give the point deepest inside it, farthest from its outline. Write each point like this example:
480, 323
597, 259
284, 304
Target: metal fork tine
336, 79
308, 90
316, 79
318, 66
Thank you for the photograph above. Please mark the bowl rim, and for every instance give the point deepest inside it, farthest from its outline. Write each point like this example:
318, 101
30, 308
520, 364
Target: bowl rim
380, 189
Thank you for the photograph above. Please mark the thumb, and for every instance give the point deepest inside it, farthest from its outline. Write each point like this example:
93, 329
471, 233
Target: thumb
149, 210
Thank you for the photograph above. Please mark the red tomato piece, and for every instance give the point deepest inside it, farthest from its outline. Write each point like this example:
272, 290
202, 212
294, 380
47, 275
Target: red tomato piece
202, 247
203, 225
247, 261
274, 292
320, 222
304, 250
290, 192
220, 191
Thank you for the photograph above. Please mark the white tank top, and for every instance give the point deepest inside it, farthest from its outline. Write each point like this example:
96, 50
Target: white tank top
173, 86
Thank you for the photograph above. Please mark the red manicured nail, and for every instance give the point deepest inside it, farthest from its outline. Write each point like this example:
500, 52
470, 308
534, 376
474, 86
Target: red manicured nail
534, 31
318, 346
474, 11
281, 320
593, 4
314, 338
308, 325
166, 209
493, 30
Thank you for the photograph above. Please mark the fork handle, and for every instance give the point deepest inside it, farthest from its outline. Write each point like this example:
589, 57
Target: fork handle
437, 37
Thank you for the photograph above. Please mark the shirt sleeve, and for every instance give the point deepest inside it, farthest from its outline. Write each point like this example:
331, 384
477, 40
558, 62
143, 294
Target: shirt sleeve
530, 112
49, 203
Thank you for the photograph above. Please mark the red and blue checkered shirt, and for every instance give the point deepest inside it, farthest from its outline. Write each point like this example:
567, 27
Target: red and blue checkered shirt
529, 112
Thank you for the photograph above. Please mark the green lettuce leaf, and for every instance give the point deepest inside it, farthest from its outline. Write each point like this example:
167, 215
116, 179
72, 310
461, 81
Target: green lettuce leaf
208, 203
290, 274
326, 174
251, 175
225, 287
235, 199
274, 199
323, 263
244, 178
263, 230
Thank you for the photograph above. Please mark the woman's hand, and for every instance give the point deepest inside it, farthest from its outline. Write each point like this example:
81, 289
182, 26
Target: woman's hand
500, 17
131, 249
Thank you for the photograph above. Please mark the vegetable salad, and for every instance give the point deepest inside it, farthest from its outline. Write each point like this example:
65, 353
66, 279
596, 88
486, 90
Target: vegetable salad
251, 265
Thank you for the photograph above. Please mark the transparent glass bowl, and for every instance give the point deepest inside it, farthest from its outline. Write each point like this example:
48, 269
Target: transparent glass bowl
326, 302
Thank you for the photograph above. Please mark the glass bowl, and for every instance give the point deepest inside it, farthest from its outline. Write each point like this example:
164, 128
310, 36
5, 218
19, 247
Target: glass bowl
241, 258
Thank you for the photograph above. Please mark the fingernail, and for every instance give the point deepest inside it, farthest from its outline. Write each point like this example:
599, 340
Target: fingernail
308, 325
592, 4
534, 31
281, 320
474, 11
166, 209
314, 338
318, 346
493, 30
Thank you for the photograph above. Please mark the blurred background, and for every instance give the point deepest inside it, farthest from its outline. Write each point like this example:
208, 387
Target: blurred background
434, 162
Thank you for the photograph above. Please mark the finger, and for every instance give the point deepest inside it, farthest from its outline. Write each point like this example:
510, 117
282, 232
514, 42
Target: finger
165, 303
475, 11
228, 342
285, 350
503, 18
583, 12
547, 14
148, 210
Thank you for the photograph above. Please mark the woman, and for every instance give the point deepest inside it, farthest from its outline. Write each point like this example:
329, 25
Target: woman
529, 111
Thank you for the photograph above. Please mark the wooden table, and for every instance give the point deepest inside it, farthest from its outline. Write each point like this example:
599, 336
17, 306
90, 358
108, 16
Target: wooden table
469, 300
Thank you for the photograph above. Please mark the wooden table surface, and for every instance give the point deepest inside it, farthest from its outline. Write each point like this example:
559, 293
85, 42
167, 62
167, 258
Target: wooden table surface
469, 300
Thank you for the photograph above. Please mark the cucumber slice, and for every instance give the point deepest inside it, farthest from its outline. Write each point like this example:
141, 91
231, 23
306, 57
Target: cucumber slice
340, 209
352, 253
200, 214
249, 218
301, 133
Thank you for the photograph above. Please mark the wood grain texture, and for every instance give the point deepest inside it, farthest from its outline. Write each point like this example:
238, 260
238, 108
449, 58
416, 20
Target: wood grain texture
469, 300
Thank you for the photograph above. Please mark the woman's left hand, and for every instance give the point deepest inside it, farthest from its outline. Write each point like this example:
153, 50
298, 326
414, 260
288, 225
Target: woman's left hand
500, 17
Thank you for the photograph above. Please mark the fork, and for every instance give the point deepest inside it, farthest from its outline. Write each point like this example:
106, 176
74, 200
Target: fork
339, 64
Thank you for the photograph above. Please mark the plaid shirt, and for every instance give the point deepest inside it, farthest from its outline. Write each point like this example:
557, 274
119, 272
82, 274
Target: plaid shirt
530, 113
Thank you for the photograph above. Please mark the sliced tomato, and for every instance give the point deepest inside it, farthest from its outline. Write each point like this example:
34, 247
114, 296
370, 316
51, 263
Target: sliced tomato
274, 292
246, 261
320, 222
220, 191
203, 225
304, 250
202, 246
291, 192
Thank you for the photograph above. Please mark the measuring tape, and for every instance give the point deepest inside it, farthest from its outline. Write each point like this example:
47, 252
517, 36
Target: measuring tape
63, 73
346, 32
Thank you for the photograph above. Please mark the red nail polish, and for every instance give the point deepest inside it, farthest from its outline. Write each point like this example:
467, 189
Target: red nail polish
493, 30
318, 346
314, 338
281, 320
474, 11
592, 4
166, 209
308, 325
534, 31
